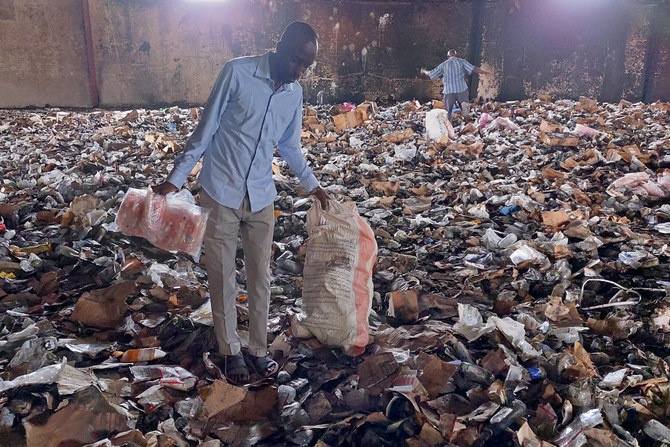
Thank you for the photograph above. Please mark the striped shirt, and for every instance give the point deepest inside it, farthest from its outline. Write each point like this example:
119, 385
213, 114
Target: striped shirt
452, 72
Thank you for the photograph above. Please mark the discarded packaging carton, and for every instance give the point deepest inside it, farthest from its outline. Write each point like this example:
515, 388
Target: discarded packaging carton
86, 419
555, 218
104, 308
559, 139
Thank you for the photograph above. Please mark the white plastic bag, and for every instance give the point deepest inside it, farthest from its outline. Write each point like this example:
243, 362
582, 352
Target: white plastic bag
438, 126
470, 323
337, 289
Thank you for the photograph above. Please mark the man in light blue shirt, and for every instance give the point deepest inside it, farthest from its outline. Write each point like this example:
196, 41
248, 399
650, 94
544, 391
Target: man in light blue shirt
255, 106
453, 72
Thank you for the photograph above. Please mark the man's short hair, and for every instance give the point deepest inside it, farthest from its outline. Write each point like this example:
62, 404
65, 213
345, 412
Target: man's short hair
452, 53
299, 31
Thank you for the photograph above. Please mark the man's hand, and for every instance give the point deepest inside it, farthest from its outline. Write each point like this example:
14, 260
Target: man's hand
164, 188
322, 196
478, 70
425, 72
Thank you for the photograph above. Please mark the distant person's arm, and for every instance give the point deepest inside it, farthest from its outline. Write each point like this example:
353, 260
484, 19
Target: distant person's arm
434, 73
483, 72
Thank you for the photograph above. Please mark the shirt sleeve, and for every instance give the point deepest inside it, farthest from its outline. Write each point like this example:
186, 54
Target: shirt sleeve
209, 123
435, 72
289, 149
467, 66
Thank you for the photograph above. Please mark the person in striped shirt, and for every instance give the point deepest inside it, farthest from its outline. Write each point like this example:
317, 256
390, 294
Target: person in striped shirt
453, 72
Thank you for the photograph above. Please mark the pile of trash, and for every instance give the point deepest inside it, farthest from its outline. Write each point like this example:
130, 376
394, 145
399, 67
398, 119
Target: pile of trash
520, 289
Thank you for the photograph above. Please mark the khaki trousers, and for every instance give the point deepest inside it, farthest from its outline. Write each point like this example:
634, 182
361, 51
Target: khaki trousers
223, 226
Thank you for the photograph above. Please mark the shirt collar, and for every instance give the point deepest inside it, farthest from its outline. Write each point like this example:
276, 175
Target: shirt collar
263, 71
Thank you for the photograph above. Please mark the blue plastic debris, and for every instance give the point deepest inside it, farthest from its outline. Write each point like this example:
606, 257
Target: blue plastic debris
511, 209
536, 374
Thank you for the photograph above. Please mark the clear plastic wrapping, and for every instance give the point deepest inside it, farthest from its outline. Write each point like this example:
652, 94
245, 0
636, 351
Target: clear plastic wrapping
171, 222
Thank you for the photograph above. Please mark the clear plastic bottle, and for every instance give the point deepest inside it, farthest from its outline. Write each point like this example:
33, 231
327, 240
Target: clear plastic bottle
573, 434
657, 431
500, 422
477, 374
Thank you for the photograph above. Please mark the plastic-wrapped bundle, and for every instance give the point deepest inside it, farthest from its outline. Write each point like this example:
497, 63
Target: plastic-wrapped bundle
631, 180
130, 212
586, 131
640, 183
171, 222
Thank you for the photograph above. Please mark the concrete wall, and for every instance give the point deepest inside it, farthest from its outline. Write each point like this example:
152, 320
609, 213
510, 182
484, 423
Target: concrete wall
42, 54
152, 52
569, 48
657, 74
158, 51
375, 49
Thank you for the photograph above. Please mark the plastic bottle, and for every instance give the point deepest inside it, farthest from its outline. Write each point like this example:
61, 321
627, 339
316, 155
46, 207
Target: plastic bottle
573, 434
142, 355
657, 431
663, 227
461, 351
500, 422
477, 374
286, 395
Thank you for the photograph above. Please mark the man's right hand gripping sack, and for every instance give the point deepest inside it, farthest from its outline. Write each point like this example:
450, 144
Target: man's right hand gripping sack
337, 287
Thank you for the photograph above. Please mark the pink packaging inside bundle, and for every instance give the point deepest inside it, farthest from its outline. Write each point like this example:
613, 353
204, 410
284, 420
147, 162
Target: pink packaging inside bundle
171, 222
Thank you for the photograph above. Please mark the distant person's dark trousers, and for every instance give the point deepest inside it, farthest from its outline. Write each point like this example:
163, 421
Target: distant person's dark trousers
461, 98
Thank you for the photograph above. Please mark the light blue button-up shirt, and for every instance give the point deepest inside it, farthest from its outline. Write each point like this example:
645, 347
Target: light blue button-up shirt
452, 72
243, 121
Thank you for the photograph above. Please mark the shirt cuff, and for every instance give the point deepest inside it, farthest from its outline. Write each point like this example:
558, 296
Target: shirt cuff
177, 178
310, 183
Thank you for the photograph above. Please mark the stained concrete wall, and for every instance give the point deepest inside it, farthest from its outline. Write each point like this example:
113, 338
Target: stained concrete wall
375, 49
42, 54
151, 52
568, 48
154, 52
157, 51
657, 74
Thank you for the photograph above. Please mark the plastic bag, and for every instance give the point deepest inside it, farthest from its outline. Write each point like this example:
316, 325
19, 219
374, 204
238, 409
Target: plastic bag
631, 180
585, 131
470, 323
483, 120
526, 253
174, 377
171, 222
405, 152
504, 123
489, 123
337, 290
516, 334
438, 126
